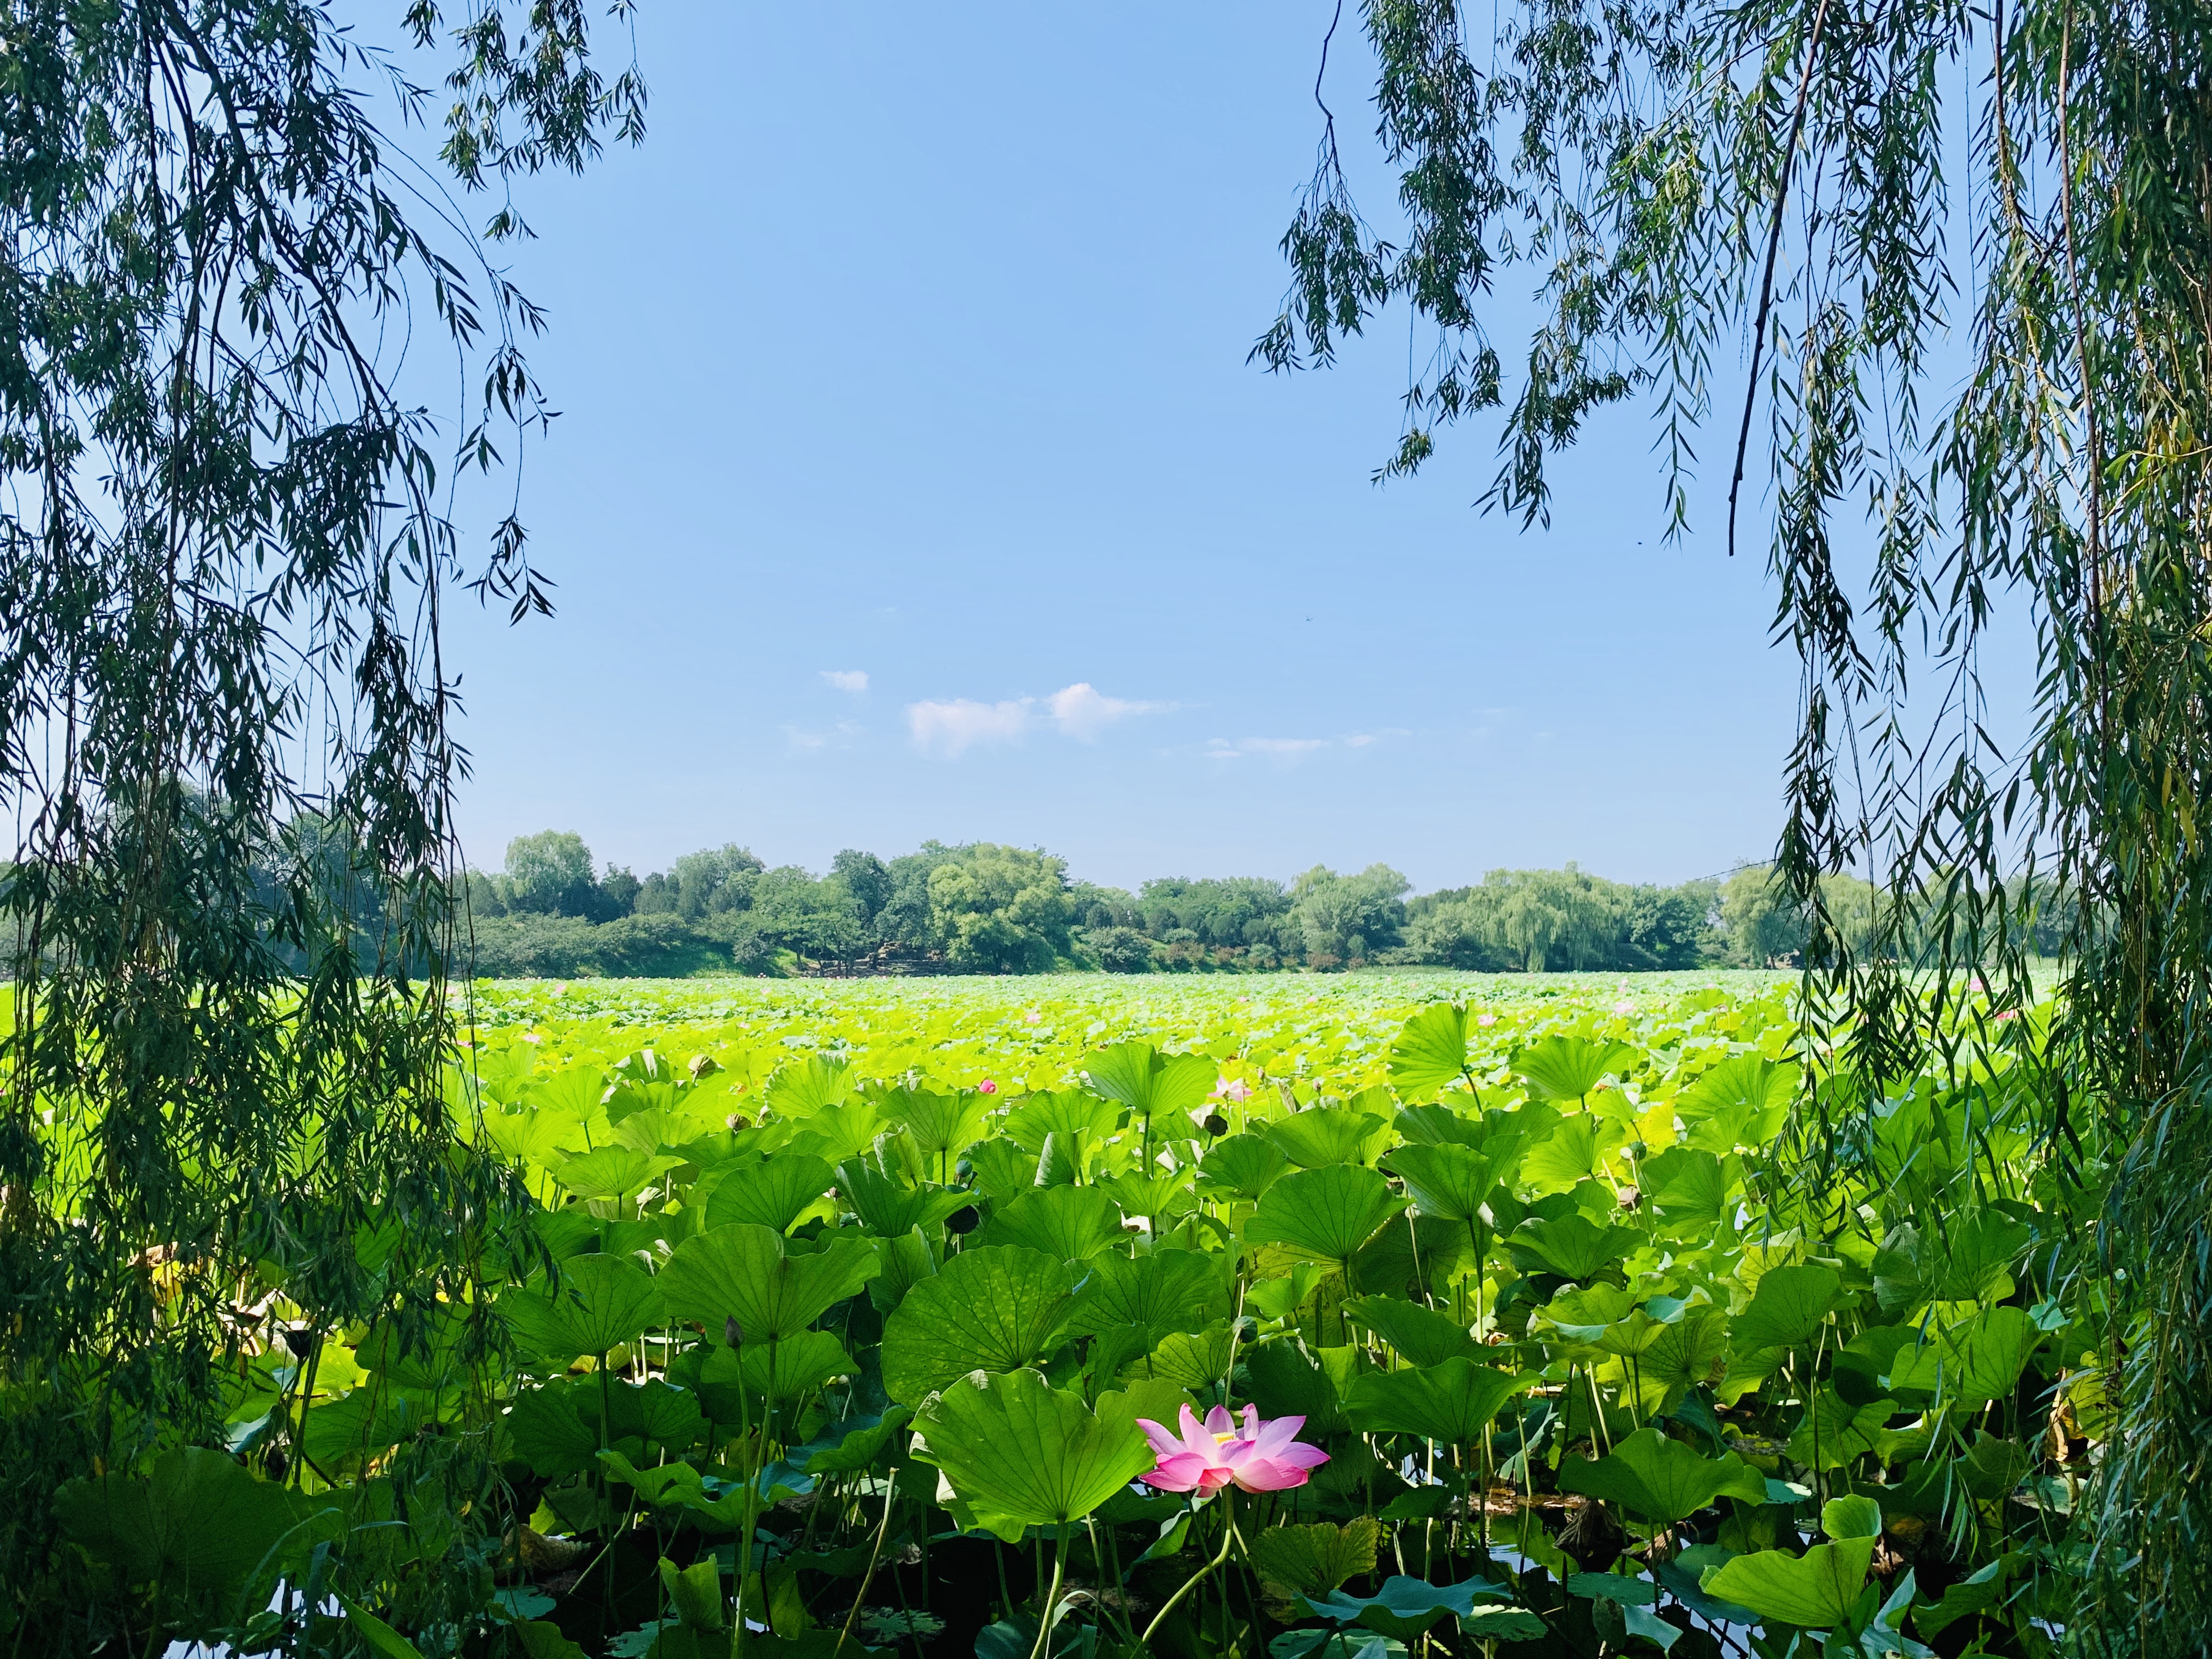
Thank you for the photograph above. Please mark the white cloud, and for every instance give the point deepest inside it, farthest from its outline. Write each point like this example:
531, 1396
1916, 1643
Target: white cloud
1083, 711
847, 679
1381, 734
950, 728
802, 741
1282, 749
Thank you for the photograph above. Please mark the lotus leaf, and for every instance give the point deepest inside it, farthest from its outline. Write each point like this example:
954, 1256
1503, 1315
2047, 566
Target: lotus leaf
1021, 1453
996, 1308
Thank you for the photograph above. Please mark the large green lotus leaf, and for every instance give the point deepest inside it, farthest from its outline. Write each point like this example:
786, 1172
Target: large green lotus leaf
1315, 1140
907, 1260
695, 1594
1073, 1117
1834, 1433
741, 1272
1660, 1479
1407, 1607
804, 1087
528, 1136
611, 1172
363, 1422
1022, 1454
1165, 1292
1691, 1351
890, 1209
1324, 1215
1970, 1363
1972, 1263
1562, 1067
547, 1429
1751, 1089
1571, 1152
658, 1130
1455, 1182
1815, 1591
1246, 1165
677, 1484
657, 1410
1287, 1381
1152, 1397
992, 1309
840, 1132
1438, 1126
1571, 1245
1161, 1195
1194, 1360
1692, 1189
938, 1124
603, 1302
1152, 1086
1788, 1307
777, 1371
1422, 1335
1983, 1592
1584, 1316
853, 1444
1855, 1516
1073, 1223
1449, 1402
196, 1521
1315, 1560
1430, 1053
771, 1194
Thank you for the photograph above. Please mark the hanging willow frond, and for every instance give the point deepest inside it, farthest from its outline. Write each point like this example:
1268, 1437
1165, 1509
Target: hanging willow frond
1861, 186
224, 547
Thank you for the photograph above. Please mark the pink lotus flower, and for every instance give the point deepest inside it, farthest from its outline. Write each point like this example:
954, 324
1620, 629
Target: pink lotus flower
1624, 1006
1232, 1088
1031, 1018
1212, 1455
986, 1087
1485, 1019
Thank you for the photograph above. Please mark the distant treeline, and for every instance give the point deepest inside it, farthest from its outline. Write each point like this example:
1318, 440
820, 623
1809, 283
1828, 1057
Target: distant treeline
986, 909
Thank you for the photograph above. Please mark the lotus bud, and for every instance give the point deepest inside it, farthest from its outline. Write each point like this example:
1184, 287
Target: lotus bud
732, 1333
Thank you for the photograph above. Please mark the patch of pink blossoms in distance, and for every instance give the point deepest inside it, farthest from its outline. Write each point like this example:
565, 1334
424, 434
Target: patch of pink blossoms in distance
1031, 1018
1232, 1088
1485, 1019
1209, 1455
986, 1087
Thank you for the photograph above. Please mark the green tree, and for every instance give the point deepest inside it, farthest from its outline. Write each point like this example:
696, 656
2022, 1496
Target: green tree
1762, 924
550, 873
1344, 918
867, 878
1001, 909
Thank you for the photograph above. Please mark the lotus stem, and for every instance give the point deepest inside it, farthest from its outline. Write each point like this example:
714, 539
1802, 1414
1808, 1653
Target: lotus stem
1228, 1537
1052, 1596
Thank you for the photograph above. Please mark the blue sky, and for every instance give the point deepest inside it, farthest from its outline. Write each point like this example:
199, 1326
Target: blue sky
910, 481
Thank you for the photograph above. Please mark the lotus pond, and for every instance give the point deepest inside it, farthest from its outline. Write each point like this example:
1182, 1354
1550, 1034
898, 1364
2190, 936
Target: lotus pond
1298, 1316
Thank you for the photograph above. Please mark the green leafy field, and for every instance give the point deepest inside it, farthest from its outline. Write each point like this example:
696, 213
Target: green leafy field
883, 1274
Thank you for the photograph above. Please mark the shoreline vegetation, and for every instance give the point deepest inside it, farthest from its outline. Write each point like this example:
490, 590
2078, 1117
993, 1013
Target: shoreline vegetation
550, 913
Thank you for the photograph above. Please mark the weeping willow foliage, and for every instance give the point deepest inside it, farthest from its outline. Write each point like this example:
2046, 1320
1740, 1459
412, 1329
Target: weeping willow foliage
226, 534
1964, 251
